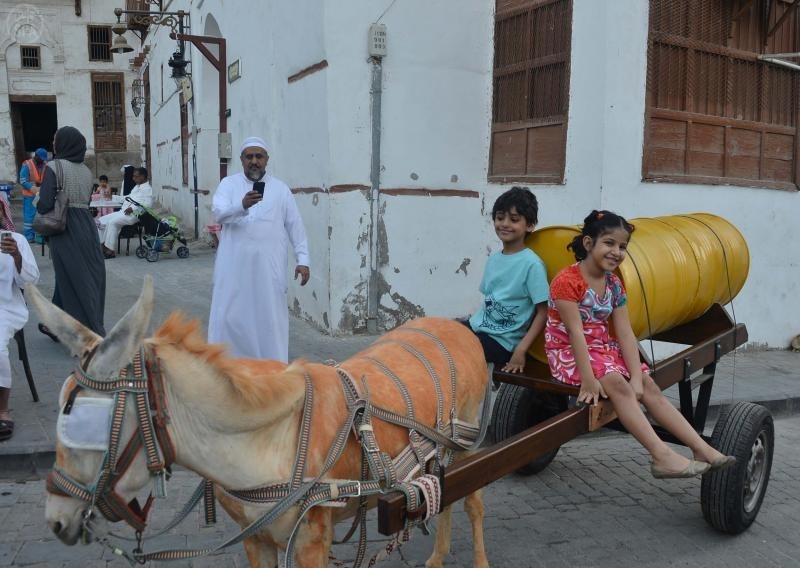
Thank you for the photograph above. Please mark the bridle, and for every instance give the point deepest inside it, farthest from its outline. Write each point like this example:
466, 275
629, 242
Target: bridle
141, 385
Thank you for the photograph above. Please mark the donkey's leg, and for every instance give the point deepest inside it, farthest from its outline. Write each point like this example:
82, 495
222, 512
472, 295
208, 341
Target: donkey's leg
473, 505
314, 539
261, 553
441, 547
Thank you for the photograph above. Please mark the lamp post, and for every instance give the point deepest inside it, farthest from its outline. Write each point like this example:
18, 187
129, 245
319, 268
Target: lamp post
178, 63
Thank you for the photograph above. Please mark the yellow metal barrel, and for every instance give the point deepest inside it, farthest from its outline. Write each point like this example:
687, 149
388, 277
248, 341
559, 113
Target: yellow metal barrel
678, 266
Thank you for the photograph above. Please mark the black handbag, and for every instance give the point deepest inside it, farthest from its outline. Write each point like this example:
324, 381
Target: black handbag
54, 221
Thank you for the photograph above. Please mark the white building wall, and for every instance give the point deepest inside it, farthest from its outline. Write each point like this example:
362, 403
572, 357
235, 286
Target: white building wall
65, 72
436, 123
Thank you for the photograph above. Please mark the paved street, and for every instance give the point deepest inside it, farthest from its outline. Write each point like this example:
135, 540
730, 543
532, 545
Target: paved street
596, 505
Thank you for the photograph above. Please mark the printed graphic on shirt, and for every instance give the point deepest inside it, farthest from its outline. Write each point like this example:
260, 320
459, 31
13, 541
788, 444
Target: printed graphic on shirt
496, 316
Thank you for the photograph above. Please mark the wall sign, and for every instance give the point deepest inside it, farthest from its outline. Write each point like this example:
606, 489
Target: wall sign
234, 71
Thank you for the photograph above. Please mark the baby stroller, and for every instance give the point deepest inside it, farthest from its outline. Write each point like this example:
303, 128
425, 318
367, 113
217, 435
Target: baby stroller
159, 235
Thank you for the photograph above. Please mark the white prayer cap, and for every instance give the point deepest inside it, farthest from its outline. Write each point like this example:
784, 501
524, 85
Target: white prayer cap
254, 142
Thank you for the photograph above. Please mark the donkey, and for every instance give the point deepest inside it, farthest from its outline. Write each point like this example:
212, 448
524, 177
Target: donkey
237, 422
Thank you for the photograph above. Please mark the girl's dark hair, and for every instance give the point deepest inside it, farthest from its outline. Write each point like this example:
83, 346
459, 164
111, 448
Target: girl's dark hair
520, 198
597, 223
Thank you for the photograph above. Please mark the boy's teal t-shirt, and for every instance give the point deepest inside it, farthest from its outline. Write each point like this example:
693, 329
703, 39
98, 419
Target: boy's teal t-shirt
512, 285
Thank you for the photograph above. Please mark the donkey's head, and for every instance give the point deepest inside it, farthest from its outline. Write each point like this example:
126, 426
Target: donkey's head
86, 408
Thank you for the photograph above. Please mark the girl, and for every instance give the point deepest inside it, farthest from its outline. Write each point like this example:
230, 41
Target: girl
581, 351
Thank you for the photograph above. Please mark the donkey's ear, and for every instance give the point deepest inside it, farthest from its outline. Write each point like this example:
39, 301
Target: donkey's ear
78, 338
123, 340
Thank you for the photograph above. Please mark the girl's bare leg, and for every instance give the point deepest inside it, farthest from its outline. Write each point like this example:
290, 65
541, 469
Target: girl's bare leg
670, 418
631, 416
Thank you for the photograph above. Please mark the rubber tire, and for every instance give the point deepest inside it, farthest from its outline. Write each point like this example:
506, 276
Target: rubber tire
739, 430
152, 256
183, 252
518, 408
141, 251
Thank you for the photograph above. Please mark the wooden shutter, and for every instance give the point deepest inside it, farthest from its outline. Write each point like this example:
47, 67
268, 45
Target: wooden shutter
108, 102
716, 113
531, 90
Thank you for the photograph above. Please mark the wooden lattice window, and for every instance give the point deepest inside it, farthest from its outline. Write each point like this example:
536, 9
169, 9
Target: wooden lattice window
716, 112
30, 57
108, 102
99, 43
531, 90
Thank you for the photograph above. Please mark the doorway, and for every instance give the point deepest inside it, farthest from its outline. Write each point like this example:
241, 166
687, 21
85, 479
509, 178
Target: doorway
34, 121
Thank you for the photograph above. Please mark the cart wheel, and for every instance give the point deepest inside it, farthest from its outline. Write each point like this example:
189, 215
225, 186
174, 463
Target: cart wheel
152, 256
731, 498
183, 252
517, 408
141, 251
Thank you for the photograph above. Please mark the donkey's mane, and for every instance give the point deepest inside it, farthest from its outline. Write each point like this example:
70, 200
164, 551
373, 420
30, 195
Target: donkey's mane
256, 382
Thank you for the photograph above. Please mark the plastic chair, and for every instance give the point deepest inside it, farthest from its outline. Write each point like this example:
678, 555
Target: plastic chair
19, 337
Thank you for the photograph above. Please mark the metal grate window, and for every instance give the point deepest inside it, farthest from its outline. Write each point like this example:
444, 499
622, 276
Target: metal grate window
108, 103
99, 43
30, 57
716, 113
531, 90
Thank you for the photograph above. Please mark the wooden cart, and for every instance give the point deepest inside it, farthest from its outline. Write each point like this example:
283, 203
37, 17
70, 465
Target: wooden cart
532, 418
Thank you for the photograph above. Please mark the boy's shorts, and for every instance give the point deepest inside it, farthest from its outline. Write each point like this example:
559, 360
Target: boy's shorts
493, 352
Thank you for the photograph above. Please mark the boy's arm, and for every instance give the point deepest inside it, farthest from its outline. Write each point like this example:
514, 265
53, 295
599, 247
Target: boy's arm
517, 362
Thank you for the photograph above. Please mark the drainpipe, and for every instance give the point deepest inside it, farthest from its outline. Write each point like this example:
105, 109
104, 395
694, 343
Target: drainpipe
377, 49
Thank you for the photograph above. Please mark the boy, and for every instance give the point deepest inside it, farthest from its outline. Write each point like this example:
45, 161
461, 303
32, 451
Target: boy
514, 285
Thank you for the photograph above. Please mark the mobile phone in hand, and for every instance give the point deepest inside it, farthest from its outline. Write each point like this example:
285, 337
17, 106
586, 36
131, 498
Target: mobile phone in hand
259, 187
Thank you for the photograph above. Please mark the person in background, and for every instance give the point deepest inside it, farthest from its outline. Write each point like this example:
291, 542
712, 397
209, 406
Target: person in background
80, 287
102, 192
17, 270
249, 311
110, 225
30, 178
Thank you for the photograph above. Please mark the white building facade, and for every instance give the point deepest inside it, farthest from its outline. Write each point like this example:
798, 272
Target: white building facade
56, 69
396, 203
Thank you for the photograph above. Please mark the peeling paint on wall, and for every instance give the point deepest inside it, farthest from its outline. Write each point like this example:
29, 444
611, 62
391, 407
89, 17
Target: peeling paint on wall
354, 310
463, 266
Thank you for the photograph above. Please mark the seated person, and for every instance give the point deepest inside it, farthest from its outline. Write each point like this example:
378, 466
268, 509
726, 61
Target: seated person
514, 286
110, 225
102, 192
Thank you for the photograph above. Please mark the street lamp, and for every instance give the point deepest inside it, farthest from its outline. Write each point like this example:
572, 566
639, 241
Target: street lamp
137, 96
142, 20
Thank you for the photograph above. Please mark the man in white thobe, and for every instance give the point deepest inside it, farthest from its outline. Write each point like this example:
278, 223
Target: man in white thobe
249, 311
110, 225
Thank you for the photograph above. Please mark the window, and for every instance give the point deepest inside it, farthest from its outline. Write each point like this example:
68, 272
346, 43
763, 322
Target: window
716, 113
531, 90
99, 43
30, 57
108, 102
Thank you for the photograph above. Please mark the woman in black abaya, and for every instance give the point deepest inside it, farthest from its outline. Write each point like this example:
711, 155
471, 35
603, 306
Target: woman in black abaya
77, 259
